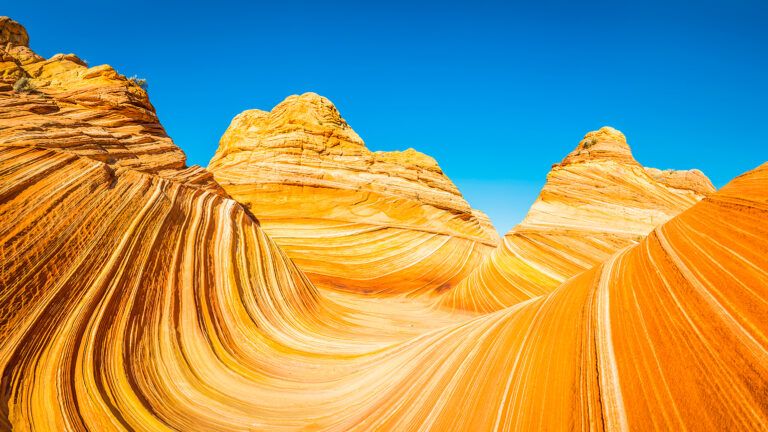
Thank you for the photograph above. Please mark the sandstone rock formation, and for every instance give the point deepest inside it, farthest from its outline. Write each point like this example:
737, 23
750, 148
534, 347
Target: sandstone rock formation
131, 300
352, 219
12, 32
142, 304
95, 112
595, 202
692, 180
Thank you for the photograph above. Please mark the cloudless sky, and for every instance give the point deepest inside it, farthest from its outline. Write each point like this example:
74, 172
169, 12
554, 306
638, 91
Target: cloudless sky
495, 91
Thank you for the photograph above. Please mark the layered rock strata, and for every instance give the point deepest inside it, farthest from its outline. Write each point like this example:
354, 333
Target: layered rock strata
598, 200
132, 301
137, 303
61, 103
352, 219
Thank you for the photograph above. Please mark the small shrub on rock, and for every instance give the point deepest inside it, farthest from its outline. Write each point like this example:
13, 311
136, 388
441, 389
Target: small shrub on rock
141, 82
23, 85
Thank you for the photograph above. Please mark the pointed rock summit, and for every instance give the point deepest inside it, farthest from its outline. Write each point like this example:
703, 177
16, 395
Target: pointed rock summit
605, 143
610, 145
598, 200
309, 119
600, 174
329, 201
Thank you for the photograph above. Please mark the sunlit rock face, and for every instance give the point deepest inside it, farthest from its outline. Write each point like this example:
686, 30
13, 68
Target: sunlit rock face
683, 180
13, 33
352, 219
61, 103
596, 201
138, 303
131, 300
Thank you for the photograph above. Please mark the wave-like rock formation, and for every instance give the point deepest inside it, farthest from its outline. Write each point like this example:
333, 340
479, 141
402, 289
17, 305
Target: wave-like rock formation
598, 200
130, 300
352, 219
139, 303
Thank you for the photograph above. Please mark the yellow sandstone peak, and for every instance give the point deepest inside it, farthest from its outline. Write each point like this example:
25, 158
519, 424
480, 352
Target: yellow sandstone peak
307, 119
605, 143
352, 219
597, 201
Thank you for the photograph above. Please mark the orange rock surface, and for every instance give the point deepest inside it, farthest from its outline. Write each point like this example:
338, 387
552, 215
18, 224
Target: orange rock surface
135, 300
95, 112
595, 202
352, 219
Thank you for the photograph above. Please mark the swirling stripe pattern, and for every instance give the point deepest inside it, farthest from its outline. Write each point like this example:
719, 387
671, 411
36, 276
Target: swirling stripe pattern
131, 302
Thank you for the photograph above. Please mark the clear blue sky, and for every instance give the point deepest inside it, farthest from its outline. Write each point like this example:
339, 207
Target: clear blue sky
496, 92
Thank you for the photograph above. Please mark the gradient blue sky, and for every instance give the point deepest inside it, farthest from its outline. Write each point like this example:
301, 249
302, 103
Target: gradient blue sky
496, 92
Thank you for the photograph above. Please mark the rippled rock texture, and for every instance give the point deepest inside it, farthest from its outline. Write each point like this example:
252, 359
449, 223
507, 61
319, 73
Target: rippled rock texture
595, 202
352, 219
135, 300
